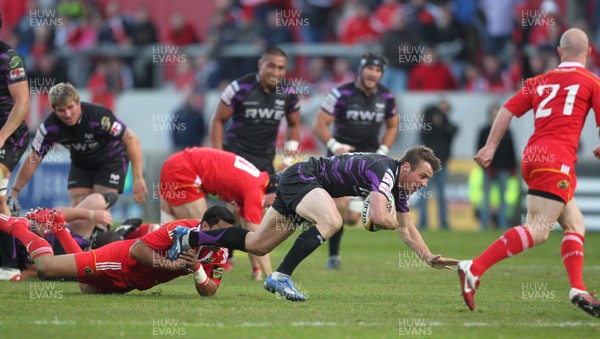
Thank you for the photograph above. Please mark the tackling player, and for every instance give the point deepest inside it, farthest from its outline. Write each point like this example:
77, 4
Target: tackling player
123, 266
357, 110
561, 100
100, 146
305, 194
187, 176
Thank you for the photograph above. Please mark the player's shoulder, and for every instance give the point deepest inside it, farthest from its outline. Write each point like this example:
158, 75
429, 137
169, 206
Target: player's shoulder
385, 92
246, 81
7, 49
93, 109
346, 89
51, 123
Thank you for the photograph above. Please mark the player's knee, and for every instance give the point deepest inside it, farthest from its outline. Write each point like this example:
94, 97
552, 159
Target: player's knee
44, 272
333, 220
259, 249
539, 237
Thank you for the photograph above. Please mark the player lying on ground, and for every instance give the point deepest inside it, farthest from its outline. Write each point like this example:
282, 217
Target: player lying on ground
122, 266
305, 193
561, 100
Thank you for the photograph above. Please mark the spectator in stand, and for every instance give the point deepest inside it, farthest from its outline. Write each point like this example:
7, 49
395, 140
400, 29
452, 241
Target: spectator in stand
384, 15
276, 33
116, 28
451, 43
421, 19
222, 32
496, 79
25, 31
431, 75
318, 77
342, 73
399, 40
316, 12
472, 79
111, 78
357, 27
143, 31
499, 19
181, 33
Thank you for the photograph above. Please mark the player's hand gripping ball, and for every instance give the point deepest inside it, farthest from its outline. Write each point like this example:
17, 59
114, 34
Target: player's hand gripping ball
366, 214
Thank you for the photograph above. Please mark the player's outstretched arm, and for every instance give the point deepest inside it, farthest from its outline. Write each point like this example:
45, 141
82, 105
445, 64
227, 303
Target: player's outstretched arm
205, 286
409, 233
143, 253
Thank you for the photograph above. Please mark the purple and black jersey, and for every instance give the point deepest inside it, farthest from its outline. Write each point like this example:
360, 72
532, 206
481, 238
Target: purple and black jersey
356, 174
12, 70
358, 117
94, 141
256, 116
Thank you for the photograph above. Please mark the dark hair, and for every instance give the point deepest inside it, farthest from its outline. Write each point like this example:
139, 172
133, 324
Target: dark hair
374, 59
217, 213
414, 155
273, 51
105, 238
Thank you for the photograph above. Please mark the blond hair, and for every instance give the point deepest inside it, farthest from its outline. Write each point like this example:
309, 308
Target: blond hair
61, 94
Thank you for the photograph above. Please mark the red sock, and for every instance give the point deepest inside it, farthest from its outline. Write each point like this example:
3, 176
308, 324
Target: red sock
35, 245
67, 241
512, 242
571, 251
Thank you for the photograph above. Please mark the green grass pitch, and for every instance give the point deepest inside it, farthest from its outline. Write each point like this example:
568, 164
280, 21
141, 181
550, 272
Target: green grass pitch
382, 291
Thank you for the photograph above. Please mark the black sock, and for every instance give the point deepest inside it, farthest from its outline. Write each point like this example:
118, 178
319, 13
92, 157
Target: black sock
334, 242
304, 245
230, 237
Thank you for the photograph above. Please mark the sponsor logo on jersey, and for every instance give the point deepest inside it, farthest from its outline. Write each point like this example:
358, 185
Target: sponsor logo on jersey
379, 106
116, 129
88, 136
105, 123
264, 113
15, 62
364, 115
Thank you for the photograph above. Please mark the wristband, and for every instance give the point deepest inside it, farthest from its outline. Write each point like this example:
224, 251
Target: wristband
383, 150
91, 216
288, 161
200, 276
291, 145
334, 145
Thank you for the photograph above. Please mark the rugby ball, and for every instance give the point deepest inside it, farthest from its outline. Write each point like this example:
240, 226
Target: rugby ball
366, 214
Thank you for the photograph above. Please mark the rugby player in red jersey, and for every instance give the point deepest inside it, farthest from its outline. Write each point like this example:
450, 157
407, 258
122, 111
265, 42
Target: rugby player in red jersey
188, 176
122, 266
561, 100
